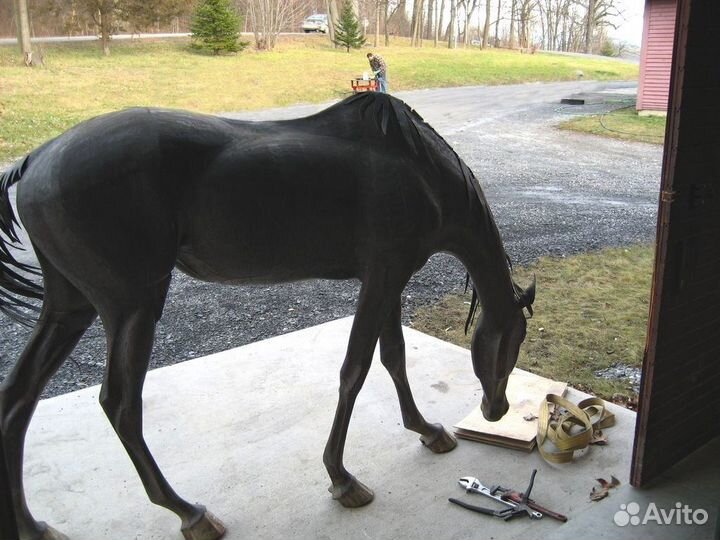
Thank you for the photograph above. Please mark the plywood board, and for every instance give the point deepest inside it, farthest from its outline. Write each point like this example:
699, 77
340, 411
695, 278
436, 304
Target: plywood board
525, 392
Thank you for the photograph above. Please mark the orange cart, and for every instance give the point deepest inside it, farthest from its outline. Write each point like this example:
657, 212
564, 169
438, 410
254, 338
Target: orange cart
363, 85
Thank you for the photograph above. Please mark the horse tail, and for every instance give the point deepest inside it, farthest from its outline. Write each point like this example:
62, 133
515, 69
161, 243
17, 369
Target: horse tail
16, 280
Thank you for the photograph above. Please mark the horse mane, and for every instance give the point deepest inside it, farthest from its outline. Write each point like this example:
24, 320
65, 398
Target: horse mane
391, 118
383, 115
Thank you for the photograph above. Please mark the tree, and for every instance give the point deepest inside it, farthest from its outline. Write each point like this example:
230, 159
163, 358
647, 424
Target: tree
347, 32
333, 18
452, 28
496, 41
486, 28
513, 12
416, 23
468, 7
141, 14
22, 18
268, 17
589, 26
525, 9
599, 14
107, 17
216, 27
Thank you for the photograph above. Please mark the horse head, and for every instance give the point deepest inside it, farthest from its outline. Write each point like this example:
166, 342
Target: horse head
495, 347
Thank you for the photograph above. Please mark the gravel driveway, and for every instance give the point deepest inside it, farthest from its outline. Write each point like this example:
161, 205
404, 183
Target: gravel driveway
552, 193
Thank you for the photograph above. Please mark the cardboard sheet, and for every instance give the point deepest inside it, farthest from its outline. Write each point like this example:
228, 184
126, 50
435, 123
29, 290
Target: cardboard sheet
525, 392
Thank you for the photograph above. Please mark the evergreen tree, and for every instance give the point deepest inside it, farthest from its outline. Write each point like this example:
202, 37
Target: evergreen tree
347, 30
215, 26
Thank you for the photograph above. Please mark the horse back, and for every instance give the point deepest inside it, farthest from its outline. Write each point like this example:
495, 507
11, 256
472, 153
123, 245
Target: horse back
226, 201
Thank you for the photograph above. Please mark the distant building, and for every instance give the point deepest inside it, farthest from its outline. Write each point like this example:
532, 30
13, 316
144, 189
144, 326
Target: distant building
656, 56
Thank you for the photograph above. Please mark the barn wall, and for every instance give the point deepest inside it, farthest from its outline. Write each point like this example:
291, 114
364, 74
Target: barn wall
656, 55
680, 391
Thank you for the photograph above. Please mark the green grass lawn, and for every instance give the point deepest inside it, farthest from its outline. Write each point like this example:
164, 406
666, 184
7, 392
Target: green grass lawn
77, 82
590, 312
624, 123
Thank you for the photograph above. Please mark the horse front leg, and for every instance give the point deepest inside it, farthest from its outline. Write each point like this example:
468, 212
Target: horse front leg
392, 355
130, 339
373, 307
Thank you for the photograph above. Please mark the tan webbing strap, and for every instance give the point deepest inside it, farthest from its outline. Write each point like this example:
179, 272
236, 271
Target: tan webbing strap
590, 415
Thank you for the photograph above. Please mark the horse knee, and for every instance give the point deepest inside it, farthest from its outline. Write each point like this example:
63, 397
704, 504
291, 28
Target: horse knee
351, 381
392, 356
124, 419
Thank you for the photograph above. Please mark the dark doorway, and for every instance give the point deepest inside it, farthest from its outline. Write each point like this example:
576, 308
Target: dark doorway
679, 395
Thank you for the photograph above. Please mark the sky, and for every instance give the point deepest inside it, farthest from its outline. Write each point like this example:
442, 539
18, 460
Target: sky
631, 23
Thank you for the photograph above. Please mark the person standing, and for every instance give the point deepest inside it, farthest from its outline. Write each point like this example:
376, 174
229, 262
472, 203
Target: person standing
379, 68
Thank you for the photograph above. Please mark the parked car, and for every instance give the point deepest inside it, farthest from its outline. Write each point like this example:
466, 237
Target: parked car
316, 23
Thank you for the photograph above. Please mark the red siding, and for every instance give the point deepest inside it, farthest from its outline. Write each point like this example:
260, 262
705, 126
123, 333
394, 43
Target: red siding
656, 55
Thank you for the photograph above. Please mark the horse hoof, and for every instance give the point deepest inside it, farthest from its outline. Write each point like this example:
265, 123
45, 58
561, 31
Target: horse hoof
50, 533
208, 527
352, 493
439, 442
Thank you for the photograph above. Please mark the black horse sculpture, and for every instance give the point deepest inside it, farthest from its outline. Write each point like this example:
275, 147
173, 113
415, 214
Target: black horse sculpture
364, 189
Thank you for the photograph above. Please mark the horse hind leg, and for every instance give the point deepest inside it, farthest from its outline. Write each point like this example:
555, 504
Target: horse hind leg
392, 355
66, 315
130, 333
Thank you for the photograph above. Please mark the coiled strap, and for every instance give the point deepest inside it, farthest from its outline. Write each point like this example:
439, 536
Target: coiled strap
589, 415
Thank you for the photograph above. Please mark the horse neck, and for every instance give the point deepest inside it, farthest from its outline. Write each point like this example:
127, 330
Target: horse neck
485, 259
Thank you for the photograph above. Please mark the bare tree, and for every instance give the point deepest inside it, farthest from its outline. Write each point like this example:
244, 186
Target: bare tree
430, 20
574, 27
513, 13
416, 23
106, 17
497, 23
525, 10
391, 10
333, 14
378, 8
553, 12
22, 19
468, 8
600, 13
268, 17
439, 22
589, 26
102, 13
486, 27
452, 28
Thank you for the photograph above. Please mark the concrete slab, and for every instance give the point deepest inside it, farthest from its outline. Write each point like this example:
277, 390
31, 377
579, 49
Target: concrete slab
243, 432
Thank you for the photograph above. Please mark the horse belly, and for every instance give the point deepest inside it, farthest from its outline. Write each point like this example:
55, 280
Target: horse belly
272, 229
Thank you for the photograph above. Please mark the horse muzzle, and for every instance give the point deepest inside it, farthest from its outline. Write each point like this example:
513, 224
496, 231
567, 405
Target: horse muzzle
496, 405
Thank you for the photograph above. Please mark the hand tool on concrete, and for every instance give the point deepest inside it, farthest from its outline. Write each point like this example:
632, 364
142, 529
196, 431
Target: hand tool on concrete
473, 485
515, 496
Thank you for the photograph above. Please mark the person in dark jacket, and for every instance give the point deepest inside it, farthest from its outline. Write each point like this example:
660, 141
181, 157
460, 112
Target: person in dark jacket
379, 68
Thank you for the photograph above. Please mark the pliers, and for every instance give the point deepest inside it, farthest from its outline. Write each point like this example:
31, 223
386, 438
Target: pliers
515, 509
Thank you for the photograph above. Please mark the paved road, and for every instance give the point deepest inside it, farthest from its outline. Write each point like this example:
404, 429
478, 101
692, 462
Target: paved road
552, 192
122, 37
